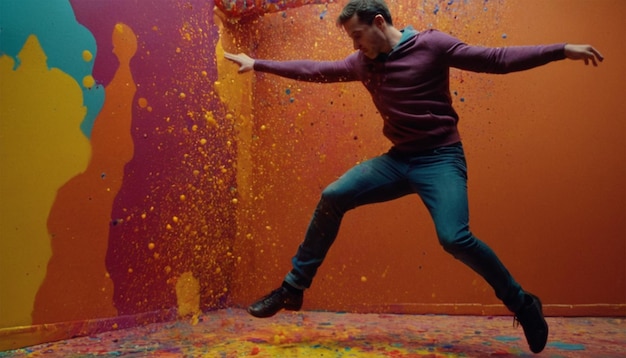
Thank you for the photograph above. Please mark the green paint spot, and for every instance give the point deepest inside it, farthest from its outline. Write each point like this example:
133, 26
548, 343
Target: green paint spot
567, 346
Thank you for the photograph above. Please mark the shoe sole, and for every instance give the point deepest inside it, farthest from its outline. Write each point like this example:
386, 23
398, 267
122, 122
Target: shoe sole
292, 307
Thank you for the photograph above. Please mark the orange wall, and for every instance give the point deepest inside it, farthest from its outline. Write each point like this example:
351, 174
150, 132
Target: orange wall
546, 152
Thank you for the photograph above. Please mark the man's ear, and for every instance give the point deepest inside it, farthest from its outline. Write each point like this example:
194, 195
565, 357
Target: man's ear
379, 21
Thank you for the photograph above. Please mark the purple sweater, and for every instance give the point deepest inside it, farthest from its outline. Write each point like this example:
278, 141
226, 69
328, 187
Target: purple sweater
410, 87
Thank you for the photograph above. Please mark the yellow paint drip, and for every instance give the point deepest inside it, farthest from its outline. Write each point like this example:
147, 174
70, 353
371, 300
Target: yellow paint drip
87, 55
88, 81
210, 119
188, 295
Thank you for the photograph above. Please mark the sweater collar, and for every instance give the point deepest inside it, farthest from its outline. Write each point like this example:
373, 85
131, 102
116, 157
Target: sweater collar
407, 33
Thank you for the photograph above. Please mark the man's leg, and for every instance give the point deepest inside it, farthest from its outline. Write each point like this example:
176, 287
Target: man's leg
441, 181
376, 180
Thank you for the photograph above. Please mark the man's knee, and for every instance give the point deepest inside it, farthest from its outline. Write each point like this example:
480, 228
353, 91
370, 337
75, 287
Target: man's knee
334, 196
335, 200
455, 242
330, 194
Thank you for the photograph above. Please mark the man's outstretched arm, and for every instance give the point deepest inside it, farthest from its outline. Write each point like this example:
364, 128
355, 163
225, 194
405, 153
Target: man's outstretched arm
301, 70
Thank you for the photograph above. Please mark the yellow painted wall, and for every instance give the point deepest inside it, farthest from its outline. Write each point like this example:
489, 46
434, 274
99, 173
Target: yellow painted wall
42, 148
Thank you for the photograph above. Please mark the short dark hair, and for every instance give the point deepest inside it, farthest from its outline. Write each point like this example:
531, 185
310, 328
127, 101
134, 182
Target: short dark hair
365, 10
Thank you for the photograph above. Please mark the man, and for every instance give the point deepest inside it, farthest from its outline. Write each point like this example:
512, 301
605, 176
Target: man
407, 75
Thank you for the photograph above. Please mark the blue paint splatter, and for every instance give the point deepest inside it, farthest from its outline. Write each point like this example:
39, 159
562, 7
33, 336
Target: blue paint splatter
52, 22
323, 14
504, 36
116, 222
567, 346
436, 9
506, 339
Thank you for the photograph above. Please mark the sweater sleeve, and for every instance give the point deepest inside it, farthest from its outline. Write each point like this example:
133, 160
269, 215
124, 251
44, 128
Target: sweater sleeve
311, 71
497, 60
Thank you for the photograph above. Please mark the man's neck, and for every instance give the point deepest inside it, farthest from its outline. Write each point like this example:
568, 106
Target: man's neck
393, 36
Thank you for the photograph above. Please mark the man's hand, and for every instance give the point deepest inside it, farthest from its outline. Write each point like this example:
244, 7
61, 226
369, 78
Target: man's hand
583, 52
245, 62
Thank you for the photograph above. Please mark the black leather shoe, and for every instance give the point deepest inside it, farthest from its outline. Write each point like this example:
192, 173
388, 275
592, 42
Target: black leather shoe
530, 316
277, 300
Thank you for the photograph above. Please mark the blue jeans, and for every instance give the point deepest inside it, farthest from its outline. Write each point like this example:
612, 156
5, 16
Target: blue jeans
439, 177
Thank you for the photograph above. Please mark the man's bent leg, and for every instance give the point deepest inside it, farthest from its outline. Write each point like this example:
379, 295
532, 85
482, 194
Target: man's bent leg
379, 179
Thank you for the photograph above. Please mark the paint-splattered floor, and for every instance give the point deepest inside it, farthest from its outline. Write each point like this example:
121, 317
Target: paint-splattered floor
233, 333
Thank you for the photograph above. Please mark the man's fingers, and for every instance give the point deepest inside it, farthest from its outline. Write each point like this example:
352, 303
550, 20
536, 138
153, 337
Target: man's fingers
597, 54
594, 56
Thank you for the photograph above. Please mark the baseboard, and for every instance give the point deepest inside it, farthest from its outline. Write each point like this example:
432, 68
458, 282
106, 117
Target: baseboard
476, 309
19, 337
586, 310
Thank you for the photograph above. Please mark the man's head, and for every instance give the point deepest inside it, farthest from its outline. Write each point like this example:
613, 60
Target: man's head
365, 10
367, 22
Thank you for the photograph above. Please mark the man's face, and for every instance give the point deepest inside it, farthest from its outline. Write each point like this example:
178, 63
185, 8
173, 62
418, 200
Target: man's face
369, 39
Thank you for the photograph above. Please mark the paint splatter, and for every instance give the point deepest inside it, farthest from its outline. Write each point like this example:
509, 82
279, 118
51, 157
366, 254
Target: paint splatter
50, 22
567, 346
233, 333
506, 338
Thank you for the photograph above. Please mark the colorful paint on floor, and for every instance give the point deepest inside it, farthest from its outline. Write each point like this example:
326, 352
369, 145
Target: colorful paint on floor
233, 333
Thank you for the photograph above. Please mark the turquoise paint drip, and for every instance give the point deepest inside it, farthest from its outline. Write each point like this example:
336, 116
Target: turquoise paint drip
567, 346
62, 39
506, 339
